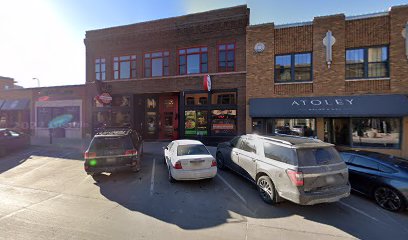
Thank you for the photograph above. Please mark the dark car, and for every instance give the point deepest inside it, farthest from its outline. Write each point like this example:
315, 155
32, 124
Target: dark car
11, 140
379, 176
113, 150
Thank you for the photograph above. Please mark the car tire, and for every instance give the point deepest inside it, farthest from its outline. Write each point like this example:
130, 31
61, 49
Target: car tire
389, 199
267, 190
220, 161
170, 177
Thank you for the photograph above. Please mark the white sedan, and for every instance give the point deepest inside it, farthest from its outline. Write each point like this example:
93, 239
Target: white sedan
189, 160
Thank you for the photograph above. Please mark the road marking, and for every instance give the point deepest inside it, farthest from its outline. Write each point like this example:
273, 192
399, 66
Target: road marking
152, 179
359, 211
233, 189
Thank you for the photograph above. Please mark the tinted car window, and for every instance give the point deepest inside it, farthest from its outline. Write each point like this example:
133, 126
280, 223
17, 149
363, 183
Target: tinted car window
183, 150
365, 163
234, 142
279, 153
318, 156
248, 146
111, 143
385, 169
346, 157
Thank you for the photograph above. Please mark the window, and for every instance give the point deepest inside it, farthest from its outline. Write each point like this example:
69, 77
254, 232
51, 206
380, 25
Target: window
318, 156
279, 153
196, 123
183, 150
66, 117
234, 142
247, 146
367, 63
365, 163
193, 60
376, 132
298, 126
156, 64
124, 67
224, 98
346, 157
224, 122
226, 57
293, 67
197, 99
100, 69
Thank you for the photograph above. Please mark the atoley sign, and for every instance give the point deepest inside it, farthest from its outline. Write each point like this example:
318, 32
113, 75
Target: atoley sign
331, 106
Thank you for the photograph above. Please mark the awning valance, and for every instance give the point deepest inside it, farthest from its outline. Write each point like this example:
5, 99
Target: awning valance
332, 106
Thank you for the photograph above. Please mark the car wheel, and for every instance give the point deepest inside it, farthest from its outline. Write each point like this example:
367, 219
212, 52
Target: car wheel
267, 190
170, 177
389, 199
220, 161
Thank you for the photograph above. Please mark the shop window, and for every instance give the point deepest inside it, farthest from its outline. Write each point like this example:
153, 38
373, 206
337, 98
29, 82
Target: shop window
376, 132
120, 118
224, 122
100, 69
156, 64
124, 67
293, 67
196, 123
367, 63
224, 98
101, 119
67, 117
193, 60
117, 101
297, 127
196, 99
226, 57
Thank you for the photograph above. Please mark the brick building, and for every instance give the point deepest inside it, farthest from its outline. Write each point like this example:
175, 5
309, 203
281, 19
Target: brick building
151, 75
341, 79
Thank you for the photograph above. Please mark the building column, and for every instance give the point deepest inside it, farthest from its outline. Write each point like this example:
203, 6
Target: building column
320, 128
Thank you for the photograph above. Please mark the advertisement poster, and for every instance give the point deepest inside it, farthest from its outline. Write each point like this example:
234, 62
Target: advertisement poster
190, 125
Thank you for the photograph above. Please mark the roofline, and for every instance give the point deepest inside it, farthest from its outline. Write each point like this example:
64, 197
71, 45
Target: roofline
369, 15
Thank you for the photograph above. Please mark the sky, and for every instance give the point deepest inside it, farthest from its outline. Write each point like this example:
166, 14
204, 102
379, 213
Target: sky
44, 39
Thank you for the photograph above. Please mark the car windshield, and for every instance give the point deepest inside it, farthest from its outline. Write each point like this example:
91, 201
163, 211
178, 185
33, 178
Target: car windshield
111, 143
183, 150
318, 156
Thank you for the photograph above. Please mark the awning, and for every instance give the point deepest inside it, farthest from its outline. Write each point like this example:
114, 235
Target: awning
18, 104
333, 106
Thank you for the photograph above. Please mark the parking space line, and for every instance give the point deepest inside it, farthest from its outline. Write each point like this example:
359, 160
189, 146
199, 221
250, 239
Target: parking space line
233, 189
152, 179
359, 211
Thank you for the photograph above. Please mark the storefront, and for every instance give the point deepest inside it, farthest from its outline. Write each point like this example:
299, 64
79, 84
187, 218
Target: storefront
360, 122
15, 114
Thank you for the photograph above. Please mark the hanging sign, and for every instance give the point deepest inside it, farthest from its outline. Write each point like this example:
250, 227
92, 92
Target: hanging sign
207, 83
104, 98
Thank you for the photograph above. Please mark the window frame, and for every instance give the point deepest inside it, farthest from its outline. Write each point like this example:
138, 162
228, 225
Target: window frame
151, 63
293, 67
200, 53
100, 73
366, 62
131, 75
226, 56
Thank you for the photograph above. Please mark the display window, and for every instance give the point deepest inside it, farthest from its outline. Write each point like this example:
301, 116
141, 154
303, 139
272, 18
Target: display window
224, 122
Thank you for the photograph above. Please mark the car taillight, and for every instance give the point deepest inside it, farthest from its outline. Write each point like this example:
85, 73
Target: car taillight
295, 177
130, 152
177, 165
89, 155
214, 163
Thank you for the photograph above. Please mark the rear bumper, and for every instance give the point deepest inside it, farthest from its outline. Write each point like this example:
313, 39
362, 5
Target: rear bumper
110, 169
327, 196
180, 174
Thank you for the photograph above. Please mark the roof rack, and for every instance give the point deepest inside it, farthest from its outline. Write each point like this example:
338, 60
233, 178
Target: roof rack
301, 137
112, 131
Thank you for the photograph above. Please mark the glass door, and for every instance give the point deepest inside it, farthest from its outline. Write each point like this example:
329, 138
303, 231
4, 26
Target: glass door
168, 125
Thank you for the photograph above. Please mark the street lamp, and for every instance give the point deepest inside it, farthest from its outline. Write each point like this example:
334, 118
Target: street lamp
38, 81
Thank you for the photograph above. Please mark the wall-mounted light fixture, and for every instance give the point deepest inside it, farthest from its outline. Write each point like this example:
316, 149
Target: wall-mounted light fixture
328, 42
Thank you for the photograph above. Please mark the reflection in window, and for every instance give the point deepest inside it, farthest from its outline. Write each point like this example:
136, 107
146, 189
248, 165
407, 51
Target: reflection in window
156, 64
297, 127
224, 122
193, 60
224, 98
293, 67
226, 57
197, 99
124, 67
100, 69
376, 132
367, 62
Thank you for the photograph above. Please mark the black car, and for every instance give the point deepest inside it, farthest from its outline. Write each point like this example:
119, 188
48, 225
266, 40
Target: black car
113, 150
11, 140
380, 176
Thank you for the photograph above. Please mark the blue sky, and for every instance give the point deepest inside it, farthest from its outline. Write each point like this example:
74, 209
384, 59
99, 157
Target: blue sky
44, 38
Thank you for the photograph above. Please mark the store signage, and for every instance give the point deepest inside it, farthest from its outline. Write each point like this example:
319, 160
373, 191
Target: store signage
104, 98
207, 83
323, 102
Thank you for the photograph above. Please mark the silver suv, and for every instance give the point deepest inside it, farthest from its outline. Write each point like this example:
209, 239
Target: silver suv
303, 170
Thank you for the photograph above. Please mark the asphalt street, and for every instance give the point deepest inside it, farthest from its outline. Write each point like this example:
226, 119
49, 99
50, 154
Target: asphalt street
46, 194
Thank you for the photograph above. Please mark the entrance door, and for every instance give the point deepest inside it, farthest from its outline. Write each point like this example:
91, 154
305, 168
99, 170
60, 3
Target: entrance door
168, 117
337, 131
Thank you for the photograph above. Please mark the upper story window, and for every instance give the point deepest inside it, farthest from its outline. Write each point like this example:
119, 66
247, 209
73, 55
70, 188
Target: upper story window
370, 62
293, 67
100, 69
156, 64
193, 60
124, 67
226, 57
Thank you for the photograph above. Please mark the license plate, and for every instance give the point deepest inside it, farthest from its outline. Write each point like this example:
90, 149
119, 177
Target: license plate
110, 160
330, 179
197, 161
